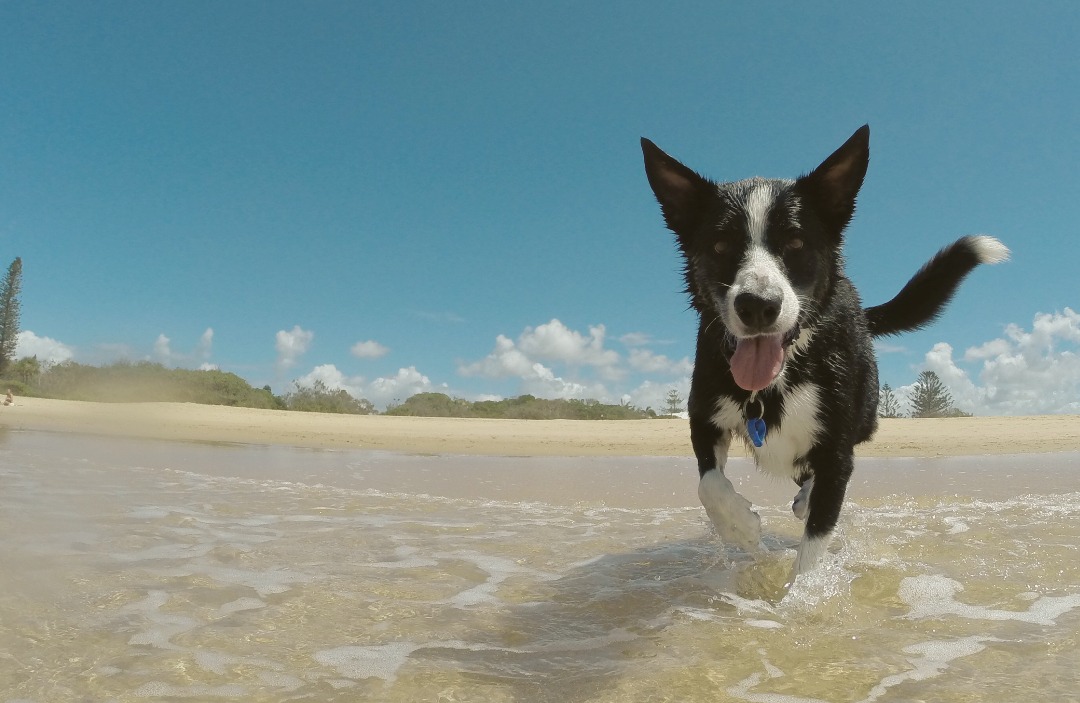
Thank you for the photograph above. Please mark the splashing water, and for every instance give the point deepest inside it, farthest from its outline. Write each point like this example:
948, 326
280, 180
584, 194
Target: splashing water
143, 571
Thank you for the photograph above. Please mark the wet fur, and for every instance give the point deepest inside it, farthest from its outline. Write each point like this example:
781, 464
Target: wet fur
779, 243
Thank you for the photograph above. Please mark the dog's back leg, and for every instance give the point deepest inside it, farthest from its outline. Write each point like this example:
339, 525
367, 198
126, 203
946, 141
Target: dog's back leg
730, 512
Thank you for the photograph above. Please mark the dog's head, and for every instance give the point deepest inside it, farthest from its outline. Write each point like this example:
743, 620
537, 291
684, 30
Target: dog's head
761, 254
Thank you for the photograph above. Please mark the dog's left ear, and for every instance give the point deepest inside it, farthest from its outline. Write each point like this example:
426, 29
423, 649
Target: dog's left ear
680, 192
834, 184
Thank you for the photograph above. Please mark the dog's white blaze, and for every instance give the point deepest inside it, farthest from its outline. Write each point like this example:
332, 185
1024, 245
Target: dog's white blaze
736, 523
759, 202
799, 427
760, 274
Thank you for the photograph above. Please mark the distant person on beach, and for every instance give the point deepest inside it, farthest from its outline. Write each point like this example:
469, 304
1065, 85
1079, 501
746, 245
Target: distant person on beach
10, 399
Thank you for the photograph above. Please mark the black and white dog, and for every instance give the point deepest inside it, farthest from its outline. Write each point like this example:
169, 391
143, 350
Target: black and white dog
784, 358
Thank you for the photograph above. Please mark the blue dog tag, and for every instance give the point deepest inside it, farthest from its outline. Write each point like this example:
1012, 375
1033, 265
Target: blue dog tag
755, 426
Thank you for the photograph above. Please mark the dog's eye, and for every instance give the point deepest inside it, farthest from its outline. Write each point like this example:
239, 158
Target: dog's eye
720, 247
794, 244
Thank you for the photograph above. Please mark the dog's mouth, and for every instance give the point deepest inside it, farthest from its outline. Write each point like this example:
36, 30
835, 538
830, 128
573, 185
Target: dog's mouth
757, 361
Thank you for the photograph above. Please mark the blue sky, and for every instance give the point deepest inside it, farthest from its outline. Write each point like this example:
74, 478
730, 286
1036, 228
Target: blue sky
396, 197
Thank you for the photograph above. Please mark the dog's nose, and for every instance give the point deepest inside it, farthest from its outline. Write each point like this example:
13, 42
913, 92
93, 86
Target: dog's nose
756, 312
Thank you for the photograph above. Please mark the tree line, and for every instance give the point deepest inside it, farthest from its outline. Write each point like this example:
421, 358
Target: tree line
146, 381
930, 397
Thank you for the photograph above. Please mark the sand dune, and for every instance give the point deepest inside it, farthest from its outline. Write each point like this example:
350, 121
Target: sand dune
191, 422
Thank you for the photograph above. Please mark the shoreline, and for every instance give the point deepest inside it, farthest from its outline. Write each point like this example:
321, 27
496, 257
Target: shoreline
905, 437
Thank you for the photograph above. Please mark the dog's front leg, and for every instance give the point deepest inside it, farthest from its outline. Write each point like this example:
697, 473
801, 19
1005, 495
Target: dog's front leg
736, 523
826, 496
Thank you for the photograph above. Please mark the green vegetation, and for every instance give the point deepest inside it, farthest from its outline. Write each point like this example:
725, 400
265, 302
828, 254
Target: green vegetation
135, 382
888, 405
317, 398
929, 397
9, 313
673, 403
525, 407
145, 381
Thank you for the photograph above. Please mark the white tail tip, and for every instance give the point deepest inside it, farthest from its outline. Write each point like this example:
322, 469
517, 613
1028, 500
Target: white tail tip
989, 250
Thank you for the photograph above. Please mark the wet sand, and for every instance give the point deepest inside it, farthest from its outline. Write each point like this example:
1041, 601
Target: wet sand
521, 438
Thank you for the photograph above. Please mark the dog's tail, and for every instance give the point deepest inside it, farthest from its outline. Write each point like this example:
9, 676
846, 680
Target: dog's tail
928, 292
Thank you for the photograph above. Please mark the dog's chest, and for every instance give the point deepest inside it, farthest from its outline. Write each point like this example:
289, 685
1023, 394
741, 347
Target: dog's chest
786, 443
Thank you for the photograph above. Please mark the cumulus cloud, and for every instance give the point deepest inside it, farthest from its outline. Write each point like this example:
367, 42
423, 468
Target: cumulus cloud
399, 387
652, 394
291, 345
504, 361
165, 354
46, 349
162, 352
636, 339
554, 341
1021, 373
554, 361
380, 391
333, 379
368, 350
205, 345
646, 361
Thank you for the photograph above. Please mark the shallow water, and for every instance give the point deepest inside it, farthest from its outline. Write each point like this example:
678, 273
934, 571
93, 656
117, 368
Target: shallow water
155, 571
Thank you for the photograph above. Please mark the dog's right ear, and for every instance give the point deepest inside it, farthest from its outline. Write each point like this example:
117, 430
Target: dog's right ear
680, 192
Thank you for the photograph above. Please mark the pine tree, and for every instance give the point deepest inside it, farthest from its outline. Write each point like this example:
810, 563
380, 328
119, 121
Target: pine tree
673, 402
888, 405
9, 313
930, 397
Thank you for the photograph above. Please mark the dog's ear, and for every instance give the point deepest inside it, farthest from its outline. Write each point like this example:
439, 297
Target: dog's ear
680, 192
834, 184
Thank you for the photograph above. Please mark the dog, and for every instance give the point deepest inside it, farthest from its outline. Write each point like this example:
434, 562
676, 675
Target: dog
785, 358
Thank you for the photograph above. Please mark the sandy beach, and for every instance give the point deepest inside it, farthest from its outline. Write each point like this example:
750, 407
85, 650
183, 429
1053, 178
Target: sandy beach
209, 423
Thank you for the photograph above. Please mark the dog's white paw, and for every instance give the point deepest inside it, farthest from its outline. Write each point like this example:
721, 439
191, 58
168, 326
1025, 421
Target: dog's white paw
811, 550
729, 512
801, 505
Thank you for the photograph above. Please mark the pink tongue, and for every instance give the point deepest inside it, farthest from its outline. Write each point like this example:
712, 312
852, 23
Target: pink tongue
757, 361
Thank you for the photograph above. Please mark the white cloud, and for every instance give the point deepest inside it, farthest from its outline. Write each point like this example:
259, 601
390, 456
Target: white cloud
368, 350
636, 339
46, 349
380, 391
553, 361
291, 345
205, 345
399, 387
1022, 373
554, 341
333, 378
651, 394
505, 361
646, 361
162, 352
